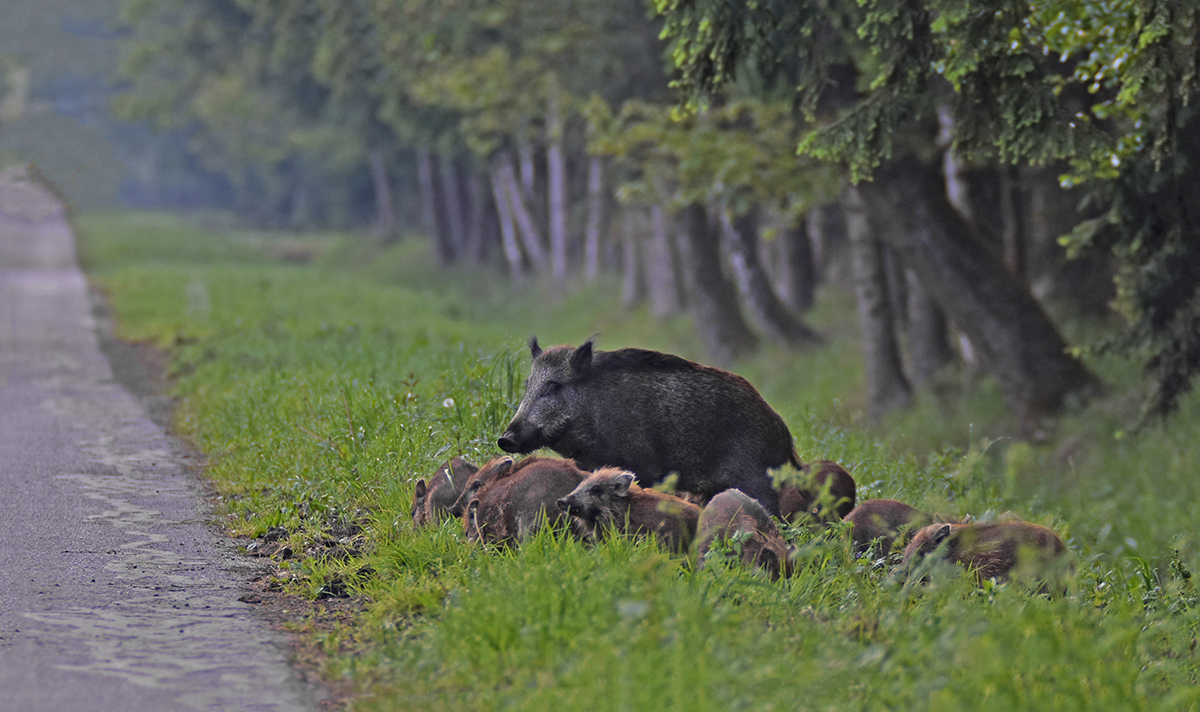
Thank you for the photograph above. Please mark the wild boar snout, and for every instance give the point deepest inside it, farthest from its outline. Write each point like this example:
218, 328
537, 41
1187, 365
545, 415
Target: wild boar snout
564, 503
515, 438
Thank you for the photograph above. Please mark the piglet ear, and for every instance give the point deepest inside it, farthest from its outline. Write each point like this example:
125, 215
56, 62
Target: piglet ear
534, 349
621, 484
940, 535
421, 488
581, 358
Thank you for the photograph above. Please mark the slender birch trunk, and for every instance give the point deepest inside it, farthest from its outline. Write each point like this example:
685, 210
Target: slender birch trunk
425, 180
632, 285
385, 213
556, 188
531, 238
595, 219
760, 300
454, 211
660, 269
508, 230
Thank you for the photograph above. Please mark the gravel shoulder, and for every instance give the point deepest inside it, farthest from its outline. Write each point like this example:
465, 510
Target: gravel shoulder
117, 590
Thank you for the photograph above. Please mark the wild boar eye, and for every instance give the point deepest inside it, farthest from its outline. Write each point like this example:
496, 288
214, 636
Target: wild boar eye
552, 387
596, 490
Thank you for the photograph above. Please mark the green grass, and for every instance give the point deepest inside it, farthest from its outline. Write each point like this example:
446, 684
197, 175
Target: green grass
321, 391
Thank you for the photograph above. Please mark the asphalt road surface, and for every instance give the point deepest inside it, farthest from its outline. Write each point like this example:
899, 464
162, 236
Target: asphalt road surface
116, 592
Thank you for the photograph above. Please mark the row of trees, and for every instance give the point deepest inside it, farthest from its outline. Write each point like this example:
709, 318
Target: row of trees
918, 142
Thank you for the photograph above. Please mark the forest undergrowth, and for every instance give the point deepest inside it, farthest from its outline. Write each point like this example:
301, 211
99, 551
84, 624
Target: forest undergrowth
321, 375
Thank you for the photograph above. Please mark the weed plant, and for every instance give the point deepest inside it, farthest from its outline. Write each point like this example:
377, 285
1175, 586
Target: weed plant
322, 375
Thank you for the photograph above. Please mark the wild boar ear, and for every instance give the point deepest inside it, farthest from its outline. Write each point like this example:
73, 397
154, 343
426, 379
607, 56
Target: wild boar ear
421, 488
621, 484
503, 468
940, 535
581, 358
534, 349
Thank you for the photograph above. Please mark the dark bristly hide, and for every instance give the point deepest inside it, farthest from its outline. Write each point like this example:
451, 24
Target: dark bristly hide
655, 415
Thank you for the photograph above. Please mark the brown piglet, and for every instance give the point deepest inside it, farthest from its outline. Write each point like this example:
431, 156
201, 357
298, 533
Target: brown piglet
736, 519
511, 508
434, 501
883, 521
996, 550
609, 499
826, 493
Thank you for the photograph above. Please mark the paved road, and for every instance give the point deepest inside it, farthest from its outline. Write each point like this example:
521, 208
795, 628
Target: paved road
115, 591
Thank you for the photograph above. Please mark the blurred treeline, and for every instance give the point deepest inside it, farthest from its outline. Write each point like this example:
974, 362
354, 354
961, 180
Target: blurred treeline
727, 159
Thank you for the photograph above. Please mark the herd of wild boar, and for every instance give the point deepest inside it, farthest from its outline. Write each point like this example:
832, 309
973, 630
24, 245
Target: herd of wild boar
626, 420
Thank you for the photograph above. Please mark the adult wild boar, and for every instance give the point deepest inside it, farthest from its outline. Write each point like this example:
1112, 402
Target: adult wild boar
825, 494
652, 414
733, 517
883, 520
522, 501
1000, 550
435, 501
609, 499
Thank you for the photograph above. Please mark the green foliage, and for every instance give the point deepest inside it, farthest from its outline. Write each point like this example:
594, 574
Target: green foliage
320, 392
252, 113
1103, 89
740, 152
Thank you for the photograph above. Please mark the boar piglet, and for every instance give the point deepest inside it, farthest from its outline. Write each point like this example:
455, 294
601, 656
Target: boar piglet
652, 414
434, 501
998, 550
516, 505
883, 521
491, 471
826, 493
733, 517
609, 499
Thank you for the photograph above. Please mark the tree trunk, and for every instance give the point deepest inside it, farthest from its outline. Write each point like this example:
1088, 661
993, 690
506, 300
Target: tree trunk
490, 220
713, 300
929, 347
797, 274
556, 188
826, 229
632, 290
887, 388
453, 209
527, 167
429, 200
299, 209
385, 213
475, 247
1015, 340
531, 239
958, 187
768, 313
687, 278
595, 218
508, 230
661, 268
928, 336
1012, 208
897, 286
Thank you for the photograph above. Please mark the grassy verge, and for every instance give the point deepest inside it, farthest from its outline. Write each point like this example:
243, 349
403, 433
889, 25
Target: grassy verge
322, 376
